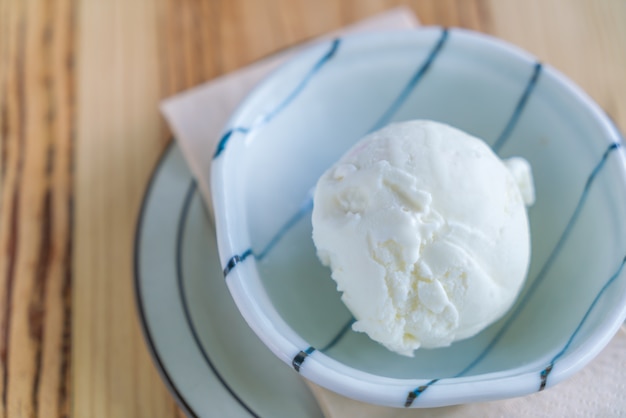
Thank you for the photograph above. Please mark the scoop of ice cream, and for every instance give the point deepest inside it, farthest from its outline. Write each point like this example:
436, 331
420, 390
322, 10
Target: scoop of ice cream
426, 234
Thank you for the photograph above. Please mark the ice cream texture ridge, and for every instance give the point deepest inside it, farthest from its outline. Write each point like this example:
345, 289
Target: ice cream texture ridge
426, 233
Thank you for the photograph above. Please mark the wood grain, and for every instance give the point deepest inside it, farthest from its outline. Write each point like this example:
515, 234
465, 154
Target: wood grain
118, 140
36, 104
80, 81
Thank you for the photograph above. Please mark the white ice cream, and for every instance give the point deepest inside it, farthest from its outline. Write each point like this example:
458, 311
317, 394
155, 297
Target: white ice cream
426, 233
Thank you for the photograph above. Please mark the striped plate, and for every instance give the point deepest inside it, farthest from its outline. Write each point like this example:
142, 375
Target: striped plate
212, 362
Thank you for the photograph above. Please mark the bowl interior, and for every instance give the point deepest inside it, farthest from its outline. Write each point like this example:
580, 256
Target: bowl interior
304, 117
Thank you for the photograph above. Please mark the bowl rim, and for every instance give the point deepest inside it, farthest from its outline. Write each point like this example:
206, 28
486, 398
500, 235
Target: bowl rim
247, 290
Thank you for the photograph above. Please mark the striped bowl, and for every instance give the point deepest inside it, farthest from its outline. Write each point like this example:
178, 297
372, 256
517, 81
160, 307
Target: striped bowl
306, 114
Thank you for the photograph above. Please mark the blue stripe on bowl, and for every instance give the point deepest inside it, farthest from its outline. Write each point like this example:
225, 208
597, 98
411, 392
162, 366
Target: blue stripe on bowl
545, 372
300, 357
271, 114
544, 376
343, 331
236, 259
305, 208
415, 393
412, 83
519, 108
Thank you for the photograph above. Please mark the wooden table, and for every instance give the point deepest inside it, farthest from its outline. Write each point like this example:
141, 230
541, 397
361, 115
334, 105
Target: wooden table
80, 133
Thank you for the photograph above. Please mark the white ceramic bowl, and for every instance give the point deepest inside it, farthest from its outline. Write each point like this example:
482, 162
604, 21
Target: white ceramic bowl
305, 115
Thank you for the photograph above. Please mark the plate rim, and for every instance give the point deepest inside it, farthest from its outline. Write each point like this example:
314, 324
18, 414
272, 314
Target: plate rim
189, 198
139, 306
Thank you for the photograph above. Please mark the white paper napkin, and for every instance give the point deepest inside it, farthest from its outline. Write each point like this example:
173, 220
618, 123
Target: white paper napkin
197, 117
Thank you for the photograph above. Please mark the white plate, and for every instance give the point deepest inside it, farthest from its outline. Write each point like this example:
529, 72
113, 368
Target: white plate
212, 362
